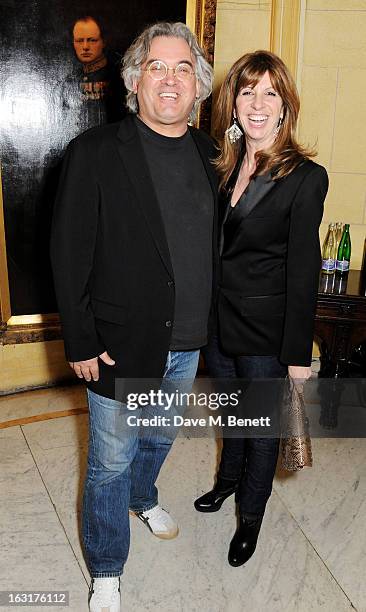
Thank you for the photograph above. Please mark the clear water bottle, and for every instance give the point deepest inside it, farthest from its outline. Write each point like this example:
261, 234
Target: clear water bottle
329, 251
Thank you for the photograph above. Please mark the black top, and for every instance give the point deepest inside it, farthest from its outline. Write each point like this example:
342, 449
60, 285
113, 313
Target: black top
186, 203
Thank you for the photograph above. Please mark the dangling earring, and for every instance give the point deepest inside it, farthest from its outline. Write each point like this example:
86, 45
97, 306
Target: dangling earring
280, 121
234, 132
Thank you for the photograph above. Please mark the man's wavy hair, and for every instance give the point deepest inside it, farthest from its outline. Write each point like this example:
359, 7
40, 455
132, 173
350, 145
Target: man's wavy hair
137, 53
285, 153
85, 18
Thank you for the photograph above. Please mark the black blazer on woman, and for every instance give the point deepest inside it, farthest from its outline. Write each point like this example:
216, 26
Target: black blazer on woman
270, 266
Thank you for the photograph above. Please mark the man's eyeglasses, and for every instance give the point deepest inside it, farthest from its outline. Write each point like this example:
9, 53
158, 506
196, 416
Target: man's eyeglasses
158, 70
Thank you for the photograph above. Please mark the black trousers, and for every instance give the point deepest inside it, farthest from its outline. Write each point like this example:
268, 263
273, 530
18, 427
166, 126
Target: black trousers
251, 461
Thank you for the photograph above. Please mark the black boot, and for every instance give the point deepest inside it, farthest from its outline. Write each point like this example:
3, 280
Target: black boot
213, 500
244, 542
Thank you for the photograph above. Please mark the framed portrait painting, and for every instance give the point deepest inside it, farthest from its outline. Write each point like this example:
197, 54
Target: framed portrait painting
60, 75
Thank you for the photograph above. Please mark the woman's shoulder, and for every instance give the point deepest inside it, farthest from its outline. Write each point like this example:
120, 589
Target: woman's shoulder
307, 171
308, 166
309, 184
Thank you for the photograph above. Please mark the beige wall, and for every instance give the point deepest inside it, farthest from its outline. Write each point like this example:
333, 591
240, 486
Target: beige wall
241, 26
332, 80
332, 83
32, 365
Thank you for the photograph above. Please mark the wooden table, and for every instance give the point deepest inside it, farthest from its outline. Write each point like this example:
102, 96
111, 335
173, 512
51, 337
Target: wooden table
340, 321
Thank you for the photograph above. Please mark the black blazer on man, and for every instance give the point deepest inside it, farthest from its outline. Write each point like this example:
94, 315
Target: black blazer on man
112, 270
270, 267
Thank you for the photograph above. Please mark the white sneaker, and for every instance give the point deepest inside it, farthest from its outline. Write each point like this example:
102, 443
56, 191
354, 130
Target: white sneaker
104, 595
159, 522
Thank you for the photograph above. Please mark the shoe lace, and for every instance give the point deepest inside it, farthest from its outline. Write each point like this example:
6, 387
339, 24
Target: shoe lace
157, 513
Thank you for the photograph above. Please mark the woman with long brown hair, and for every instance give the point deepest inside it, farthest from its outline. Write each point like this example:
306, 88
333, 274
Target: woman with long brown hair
273, 197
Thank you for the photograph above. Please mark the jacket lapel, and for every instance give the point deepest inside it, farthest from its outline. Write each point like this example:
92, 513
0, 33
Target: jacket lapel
212, 176
133, 158
213, 179
254, 193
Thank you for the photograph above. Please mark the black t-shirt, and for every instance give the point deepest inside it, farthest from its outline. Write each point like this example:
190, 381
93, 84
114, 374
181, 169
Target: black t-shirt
186, 202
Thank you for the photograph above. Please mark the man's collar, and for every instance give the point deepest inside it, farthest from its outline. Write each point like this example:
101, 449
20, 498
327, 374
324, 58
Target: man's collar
94, 66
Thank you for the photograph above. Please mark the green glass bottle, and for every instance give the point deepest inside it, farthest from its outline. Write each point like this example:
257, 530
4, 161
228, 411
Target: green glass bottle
344, 252
339, 232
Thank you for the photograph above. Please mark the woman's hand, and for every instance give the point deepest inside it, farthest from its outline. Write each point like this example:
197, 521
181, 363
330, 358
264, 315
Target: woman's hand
299, 373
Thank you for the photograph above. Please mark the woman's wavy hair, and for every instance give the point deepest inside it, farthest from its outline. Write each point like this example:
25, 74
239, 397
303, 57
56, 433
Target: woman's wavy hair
285, 153
137, 53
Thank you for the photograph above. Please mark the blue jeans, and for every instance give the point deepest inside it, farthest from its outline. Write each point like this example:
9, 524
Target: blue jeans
249, 461
123, 464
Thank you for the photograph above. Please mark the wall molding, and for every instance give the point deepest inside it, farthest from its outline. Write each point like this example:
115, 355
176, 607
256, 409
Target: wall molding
287, 17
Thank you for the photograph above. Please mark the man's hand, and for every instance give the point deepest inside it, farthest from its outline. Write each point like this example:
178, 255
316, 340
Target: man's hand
299, 373
89, 369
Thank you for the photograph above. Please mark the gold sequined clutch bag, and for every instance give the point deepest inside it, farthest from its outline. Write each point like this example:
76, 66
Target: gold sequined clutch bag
295, 449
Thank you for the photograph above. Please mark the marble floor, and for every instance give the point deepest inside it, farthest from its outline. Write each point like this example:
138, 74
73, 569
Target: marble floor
310, 556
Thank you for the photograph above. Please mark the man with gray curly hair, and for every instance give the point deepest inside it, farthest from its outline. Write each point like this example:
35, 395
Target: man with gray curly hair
138, 52
135, 221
